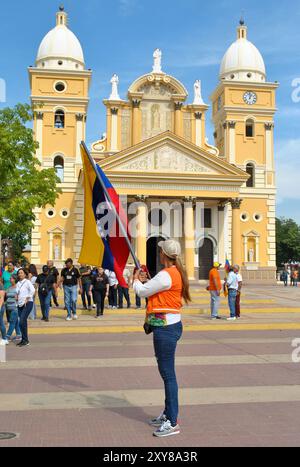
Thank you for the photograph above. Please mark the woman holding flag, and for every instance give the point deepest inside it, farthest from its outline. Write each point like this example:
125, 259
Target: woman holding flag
165, 293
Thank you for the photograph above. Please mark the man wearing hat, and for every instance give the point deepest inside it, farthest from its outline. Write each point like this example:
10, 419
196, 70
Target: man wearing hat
215, 287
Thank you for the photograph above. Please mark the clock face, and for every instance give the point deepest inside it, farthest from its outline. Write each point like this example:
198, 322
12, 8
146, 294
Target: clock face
250, 97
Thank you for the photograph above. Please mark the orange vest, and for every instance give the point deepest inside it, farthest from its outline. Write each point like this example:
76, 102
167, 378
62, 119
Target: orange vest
168, 301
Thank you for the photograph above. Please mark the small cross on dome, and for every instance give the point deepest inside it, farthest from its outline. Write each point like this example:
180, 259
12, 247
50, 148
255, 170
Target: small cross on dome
61, 8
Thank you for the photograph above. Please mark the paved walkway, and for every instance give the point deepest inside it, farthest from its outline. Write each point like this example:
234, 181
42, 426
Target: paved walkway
95, 382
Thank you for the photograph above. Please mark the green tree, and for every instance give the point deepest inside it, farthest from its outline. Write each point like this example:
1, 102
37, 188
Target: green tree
24, 185
287, 240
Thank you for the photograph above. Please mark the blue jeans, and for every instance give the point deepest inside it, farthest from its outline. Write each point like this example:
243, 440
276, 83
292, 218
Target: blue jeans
2, 326
214, 303
14, 324
24, 311
70, 293
45, 303
231, 301
85, 294
165, 340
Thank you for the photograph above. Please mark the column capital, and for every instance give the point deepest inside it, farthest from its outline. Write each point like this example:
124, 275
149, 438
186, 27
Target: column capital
269, 126
231, 124
178, 105
198, 115
190, 199
39, 115
221, 207
225, 125
114, 110
79, 117
141, 198
136, 103
236, 203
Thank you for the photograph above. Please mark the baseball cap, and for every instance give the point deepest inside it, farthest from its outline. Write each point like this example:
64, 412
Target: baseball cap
217, 265
171, 248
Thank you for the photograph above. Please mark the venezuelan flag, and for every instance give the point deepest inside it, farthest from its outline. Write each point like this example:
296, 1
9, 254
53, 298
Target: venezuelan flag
103, 243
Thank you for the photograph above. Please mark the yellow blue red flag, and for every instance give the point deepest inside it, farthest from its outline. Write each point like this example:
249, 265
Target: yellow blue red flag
104, 244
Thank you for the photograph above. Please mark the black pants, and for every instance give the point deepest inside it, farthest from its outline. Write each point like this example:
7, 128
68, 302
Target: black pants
85, 293
112, 298
24, 312
99, 297
123, 292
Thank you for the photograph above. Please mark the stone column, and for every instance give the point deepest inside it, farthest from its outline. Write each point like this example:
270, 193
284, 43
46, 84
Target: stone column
178, 118
221, 242
39, 134
236, 231
114, 129
225, 126
231, 155
141, 232
269, 154
198, 129
189, 237
136, 136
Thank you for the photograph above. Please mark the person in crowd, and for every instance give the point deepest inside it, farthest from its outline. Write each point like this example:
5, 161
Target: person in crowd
295, 278
124, 291
70, 280
85, 273
113, 288
45, 283
165, 293
232, 287
138, 301
2, 308
32, 276
99, 288
25, 294
54, 272
7, 273
214, 288
12, 309
236, 270
284, 277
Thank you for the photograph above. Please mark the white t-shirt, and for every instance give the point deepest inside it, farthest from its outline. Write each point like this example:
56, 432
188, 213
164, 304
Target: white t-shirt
239, 277
24, 290
232, 281
112, 278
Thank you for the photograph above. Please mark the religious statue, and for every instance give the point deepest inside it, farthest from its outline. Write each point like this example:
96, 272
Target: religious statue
155, 118
157, 61
197, 91
251, 255
114, 88
56, 252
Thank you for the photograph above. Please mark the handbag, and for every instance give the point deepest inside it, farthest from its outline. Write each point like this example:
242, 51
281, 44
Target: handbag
147, 328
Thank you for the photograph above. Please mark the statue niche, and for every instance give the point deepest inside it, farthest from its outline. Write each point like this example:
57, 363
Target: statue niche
155, 119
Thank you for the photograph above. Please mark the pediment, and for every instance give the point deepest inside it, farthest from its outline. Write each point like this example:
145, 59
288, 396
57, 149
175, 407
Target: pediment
165, 159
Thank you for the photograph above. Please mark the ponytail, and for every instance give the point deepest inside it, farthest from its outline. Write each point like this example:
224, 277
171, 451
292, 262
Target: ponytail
185, 281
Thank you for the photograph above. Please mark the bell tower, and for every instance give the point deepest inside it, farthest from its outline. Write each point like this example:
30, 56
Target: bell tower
243, 115
59, 86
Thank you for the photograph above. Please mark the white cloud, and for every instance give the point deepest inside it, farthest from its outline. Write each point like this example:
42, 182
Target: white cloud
127, 7
288, 169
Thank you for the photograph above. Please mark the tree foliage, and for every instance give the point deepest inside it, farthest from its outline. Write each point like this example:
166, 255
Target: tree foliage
287, 240
24, 185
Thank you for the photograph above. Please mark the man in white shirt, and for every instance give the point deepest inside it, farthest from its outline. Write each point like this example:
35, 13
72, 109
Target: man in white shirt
232, 285
236, 270
113, 287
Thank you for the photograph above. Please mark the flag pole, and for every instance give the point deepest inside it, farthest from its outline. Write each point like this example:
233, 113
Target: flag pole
124, 231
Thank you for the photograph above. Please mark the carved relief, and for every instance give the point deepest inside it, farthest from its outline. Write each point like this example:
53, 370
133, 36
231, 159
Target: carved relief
156, 118
165, 159
187, 127
125, 129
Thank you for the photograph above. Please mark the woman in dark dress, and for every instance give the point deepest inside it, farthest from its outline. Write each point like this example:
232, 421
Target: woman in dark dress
99, 289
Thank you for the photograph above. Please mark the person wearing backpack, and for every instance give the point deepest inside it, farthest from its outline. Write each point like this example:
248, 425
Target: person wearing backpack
45, 283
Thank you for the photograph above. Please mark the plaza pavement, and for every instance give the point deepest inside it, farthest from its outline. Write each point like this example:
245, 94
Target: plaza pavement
95, 382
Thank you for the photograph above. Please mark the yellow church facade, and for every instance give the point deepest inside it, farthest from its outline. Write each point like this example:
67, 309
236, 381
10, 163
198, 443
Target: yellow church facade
217, 200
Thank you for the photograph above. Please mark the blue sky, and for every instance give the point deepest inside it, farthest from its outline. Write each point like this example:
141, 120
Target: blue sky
119, 36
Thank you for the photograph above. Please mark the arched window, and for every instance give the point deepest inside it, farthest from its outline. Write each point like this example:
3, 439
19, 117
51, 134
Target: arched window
59, 167
59, 119
249, 129
250, 169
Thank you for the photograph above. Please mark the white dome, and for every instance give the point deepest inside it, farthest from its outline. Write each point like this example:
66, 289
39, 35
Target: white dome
243, 61
60, 48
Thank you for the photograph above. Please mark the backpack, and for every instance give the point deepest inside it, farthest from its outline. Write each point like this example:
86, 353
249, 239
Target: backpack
44, 287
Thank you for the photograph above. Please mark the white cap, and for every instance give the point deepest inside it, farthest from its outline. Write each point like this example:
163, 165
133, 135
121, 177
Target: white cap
171, 248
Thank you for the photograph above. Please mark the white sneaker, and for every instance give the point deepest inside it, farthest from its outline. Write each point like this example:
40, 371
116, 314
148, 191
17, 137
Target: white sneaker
4, 342
167, 429
231, 319
94, 306
68, 318
75, 317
